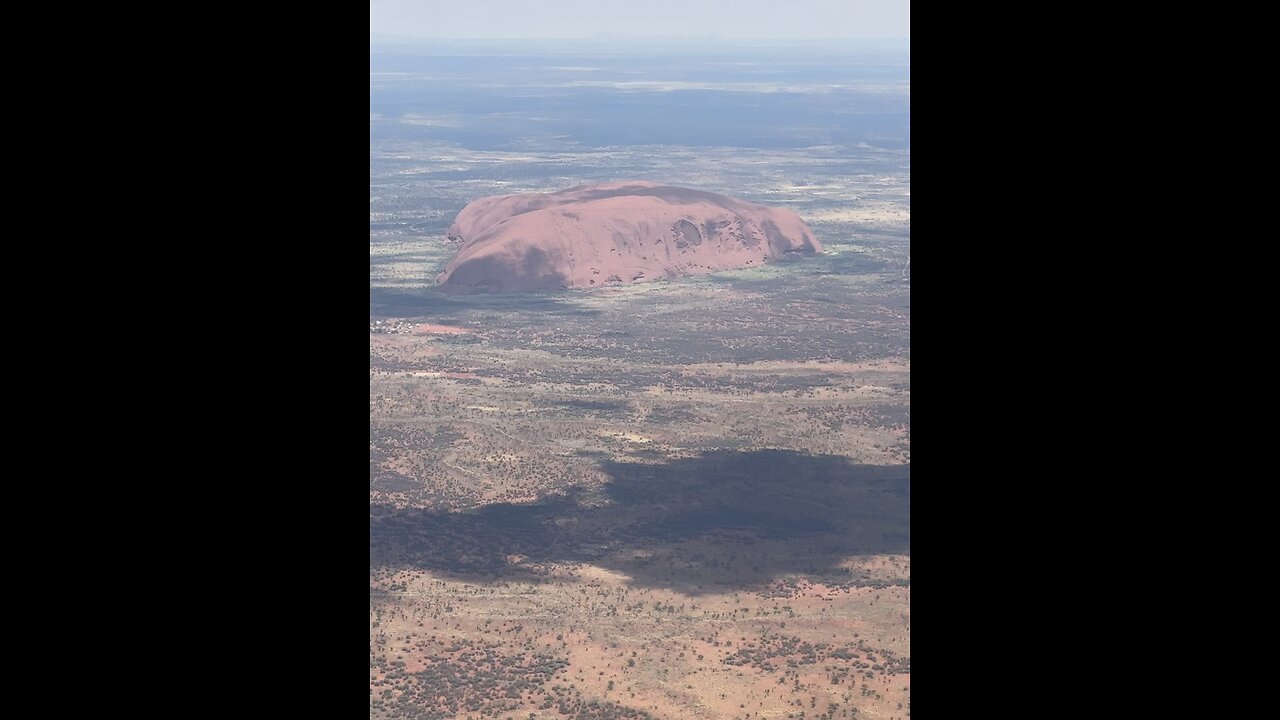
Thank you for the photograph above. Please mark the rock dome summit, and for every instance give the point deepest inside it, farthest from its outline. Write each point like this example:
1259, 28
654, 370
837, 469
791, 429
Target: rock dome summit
614, 233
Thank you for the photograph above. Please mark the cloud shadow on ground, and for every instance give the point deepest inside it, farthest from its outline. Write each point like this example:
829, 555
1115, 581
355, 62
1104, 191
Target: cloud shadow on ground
699, 525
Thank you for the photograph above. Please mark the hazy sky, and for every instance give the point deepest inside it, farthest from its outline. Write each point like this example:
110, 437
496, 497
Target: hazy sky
728, 19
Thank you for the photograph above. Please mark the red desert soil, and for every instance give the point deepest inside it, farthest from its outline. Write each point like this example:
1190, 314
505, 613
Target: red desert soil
614, 233
429, 329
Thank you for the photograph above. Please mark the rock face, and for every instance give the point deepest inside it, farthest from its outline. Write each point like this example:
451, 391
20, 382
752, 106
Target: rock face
614, 233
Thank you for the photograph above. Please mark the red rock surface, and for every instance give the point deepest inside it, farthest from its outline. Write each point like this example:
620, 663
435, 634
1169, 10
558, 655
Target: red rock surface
614, 233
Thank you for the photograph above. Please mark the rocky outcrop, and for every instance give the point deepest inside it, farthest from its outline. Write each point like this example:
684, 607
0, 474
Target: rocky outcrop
614, 233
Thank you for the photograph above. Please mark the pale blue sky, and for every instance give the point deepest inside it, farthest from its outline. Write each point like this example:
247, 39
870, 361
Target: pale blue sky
727, 19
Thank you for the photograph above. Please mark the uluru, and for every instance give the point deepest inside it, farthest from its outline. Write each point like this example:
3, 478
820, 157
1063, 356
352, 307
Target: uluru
614, 233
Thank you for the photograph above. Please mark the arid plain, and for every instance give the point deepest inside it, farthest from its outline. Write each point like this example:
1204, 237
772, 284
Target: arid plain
678, 499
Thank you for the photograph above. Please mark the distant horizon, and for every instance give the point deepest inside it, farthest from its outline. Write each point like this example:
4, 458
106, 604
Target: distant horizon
629, 44
728, 20
657, 38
